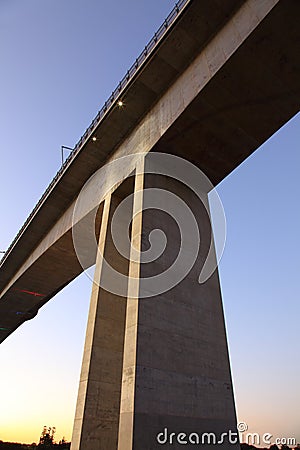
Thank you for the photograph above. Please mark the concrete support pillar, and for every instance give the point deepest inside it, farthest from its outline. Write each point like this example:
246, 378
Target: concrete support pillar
157, 365
98, 404
176, 373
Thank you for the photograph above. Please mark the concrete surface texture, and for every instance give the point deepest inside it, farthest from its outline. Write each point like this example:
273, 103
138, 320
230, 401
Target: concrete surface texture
154, 363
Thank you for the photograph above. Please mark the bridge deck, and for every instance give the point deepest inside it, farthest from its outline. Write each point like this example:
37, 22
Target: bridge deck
246, 99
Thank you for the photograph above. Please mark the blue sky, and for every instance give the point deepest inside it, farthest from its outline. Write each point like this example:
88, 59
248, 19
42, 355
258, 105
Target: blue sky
60, 62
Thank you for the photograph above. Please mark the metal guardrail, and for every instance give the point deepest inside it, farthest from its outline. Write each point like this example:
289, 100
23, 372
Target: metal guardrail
111, 102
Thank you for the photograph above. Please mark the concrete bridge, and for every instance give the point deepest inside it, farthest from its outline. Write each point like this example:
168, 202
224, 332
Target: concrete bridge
216, 81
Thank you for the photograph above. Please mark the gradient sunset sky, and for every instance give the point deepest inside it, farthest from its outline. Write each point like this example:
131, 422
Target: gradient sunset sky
60, 60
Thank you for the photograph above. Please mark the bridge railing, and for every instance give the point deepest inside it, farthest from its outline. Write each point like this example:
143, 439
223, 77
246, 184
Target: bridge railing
108, 105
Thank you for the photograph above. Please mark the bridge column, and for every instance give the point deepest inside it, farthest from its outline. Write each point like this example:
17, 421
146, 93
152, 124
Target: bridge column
98, 404
176, 373
154, 366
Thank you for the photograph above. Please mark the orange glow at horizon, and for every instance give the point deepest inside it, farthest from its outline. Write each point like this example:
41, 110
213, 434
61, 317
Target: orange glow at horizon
23, 421
25, 426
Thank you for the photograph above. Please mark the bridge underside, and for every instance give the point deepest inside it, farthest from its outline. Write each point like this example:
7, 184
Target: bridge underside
247, 95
